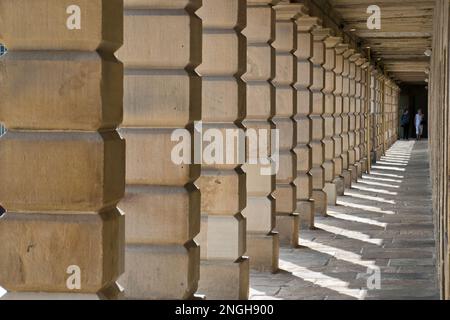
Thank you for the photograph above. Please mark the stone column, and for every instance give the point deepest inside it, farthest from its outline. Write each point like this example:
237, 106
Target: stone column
363, 118
262, 241
383, 114
352, 161
377, 122
391, 113
162, 93
369, 107
287, 222
338, 119
305, 203
346, 172
62, 161
379, 148
373, 115
224, 270
359, 114
317, 120
396, 112
331, 184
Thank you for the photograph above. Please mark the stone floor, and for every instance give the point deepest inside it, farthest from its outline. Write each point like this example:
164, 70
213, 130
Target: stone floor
382, 226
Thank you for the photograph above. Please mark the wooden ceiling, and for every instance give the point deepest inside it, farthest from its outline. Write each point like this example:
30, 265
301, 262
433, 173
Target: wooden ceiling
405, 34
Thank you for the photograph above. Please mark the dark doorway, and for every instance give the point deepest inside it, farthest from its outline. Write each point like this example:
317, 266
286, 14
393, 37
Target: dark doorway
413, 98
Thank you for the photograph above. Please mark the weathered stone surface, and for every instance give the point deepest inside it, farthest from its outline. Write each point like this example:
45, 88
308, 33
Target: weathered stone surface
148, 220
150, 265
50, 87
38, 249
45, 170
231, 279
101, 25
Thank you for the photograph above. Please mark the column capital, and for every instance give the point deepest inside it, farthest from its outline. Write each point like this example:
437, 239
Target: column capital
355, 57
348, 53
341, 48
286, 11
332, 42
366, 65
307, 23
320, 33
361, 61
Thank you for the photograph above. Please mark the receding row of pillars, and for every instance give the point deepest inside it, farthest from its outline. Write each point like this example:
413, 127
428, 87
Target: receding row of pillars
90, 187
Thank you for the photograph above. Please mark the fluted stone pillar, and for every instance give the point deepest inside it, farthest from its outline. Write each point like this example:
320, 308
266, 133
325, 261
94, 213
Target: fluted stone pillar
305, 202
162, 93
62, 161
352, 161
346, 172
287, 219
262, 241
338, 119
331, 184
317, 120
224, 270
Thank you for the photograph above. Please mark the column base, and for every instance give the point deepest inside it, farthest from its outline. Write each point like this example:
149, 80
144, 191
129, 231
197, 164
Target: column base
331, 191
305, 210
354, 172
224, 280
347, 176
288, 227
340, 186
49, 296
263, 251
373, 157
112, 292
363, 166
161, 272
320, 202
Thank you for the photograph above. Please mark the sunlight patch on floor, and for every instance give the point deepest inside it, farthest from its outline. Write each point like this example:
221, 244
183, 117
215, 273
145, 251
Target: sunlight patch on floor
375, 173
374, 190
378, 184
355, 235
372, 198
322, 280
388, 168
347, 217
338, 253
366, 177
363, 207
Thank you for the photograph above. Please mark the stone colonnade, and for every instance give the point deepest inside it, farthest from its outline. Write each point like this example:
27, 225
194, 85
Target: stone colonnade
190, 228
384, 113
